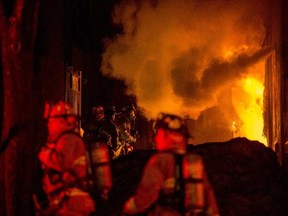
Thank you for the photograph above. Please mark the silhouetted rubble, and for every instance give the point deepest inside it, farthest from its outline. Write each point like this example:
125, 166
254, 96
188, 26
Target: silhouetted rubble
246, 176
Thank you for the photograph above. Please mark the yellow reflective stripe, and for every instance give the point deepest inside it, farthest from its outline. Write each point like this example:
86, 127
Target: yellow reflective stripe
80, 161
211, 212
169, 183
76, 192
130, 206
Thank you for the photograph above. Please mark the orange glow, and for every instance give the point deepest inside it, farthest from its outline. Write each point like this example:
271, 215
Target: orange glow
248, 103
177, 57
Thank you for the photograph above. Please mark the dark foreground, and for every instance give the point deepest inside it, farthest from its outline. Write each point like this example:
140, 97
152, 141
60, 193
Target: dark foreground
246, 176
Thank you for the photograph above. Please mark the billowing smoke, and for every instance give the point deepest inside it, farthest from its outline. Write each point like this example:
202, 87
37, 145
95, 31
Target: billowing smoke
178, 55
215, 77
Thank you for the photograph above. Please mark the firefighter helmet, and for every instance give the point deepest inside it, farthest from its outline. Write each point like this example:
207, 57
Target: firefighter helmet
129, 112
128, 108
58, 110
109, 111
98, 110
171, 123
171, 133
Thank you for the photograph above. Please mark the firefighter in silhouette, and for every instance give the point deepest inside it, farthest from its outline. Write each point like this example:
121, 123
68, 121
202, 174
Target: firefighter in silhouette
129, 113
98, 141
64, 163
102, 129
93, 131
174, 182
109, 127
126, 140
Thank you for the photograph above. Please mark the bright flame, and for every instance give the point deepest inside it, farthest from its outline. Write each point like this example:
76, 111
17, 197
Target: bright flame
248, 102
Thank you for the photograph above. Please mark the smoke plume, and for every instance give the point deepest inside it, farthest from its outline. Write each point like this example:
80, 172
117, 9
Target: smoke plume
178, 55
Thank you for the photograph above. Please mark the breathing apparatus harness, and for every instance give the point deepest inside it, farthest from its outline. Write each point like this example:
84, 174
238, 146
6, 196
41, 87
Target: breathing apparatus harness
176, 199
56, 176
45, 206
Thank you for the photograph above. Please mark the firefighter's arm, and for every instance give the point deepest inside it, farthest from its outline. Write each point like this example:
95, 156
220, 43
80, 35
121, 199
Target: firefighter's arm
71, 150
114, 139
212, 208
147, 192
128, 137
72, 158
71, 176
47, 157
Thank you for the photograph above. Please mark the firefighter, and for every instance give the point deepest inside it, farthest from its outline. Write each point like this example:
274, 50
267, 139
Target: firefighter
109, 127
92, 132
129, 113
98, 139
64, 163
174, 182
126, 140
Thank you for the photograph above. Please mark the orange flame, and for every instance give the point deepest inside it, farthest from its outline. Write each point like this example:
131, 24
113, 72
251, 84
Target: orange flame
248, 103
182, 56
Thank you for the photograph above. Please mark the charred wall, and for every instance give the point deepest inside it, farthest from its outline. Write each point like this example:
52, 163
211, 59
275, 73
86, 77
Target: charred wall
284, 76
275, 112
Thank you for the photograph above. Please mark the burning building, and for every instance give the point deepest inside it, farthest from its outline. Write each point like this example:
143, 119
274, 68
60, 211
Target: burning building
221, 64
218, 63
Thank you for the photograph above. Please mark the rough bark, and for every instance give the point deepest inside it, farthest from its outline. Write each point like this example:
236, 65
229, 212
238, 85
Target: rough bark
17, 33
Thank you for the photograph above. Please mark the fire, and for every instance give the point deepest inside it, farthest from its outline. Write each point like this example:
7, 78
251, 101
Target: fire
182, 56
248, 103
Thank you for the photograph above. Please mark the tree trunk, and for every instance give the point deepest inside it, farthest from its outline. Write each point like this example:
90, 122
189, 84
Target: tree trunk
17, 154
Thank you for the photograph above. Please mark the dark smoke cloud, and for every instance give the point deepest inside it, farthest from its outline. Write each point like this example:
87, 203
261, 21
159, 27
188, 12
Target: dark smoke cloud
216, 76
175, 55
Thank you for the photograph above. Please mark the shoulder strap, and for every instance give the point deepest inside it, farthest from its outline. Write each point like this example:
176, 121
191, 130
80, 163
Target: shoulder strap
179, 189
65, 132
175, 198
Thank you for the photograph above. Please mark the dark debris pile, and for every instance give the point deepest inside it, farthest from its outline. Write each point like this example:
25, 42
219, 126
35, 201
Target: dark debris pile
246, 176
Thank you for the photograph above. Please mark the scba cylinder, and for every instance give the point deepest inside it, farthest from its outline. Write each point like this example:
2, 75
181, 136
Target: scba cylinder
101, 169
193, 169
